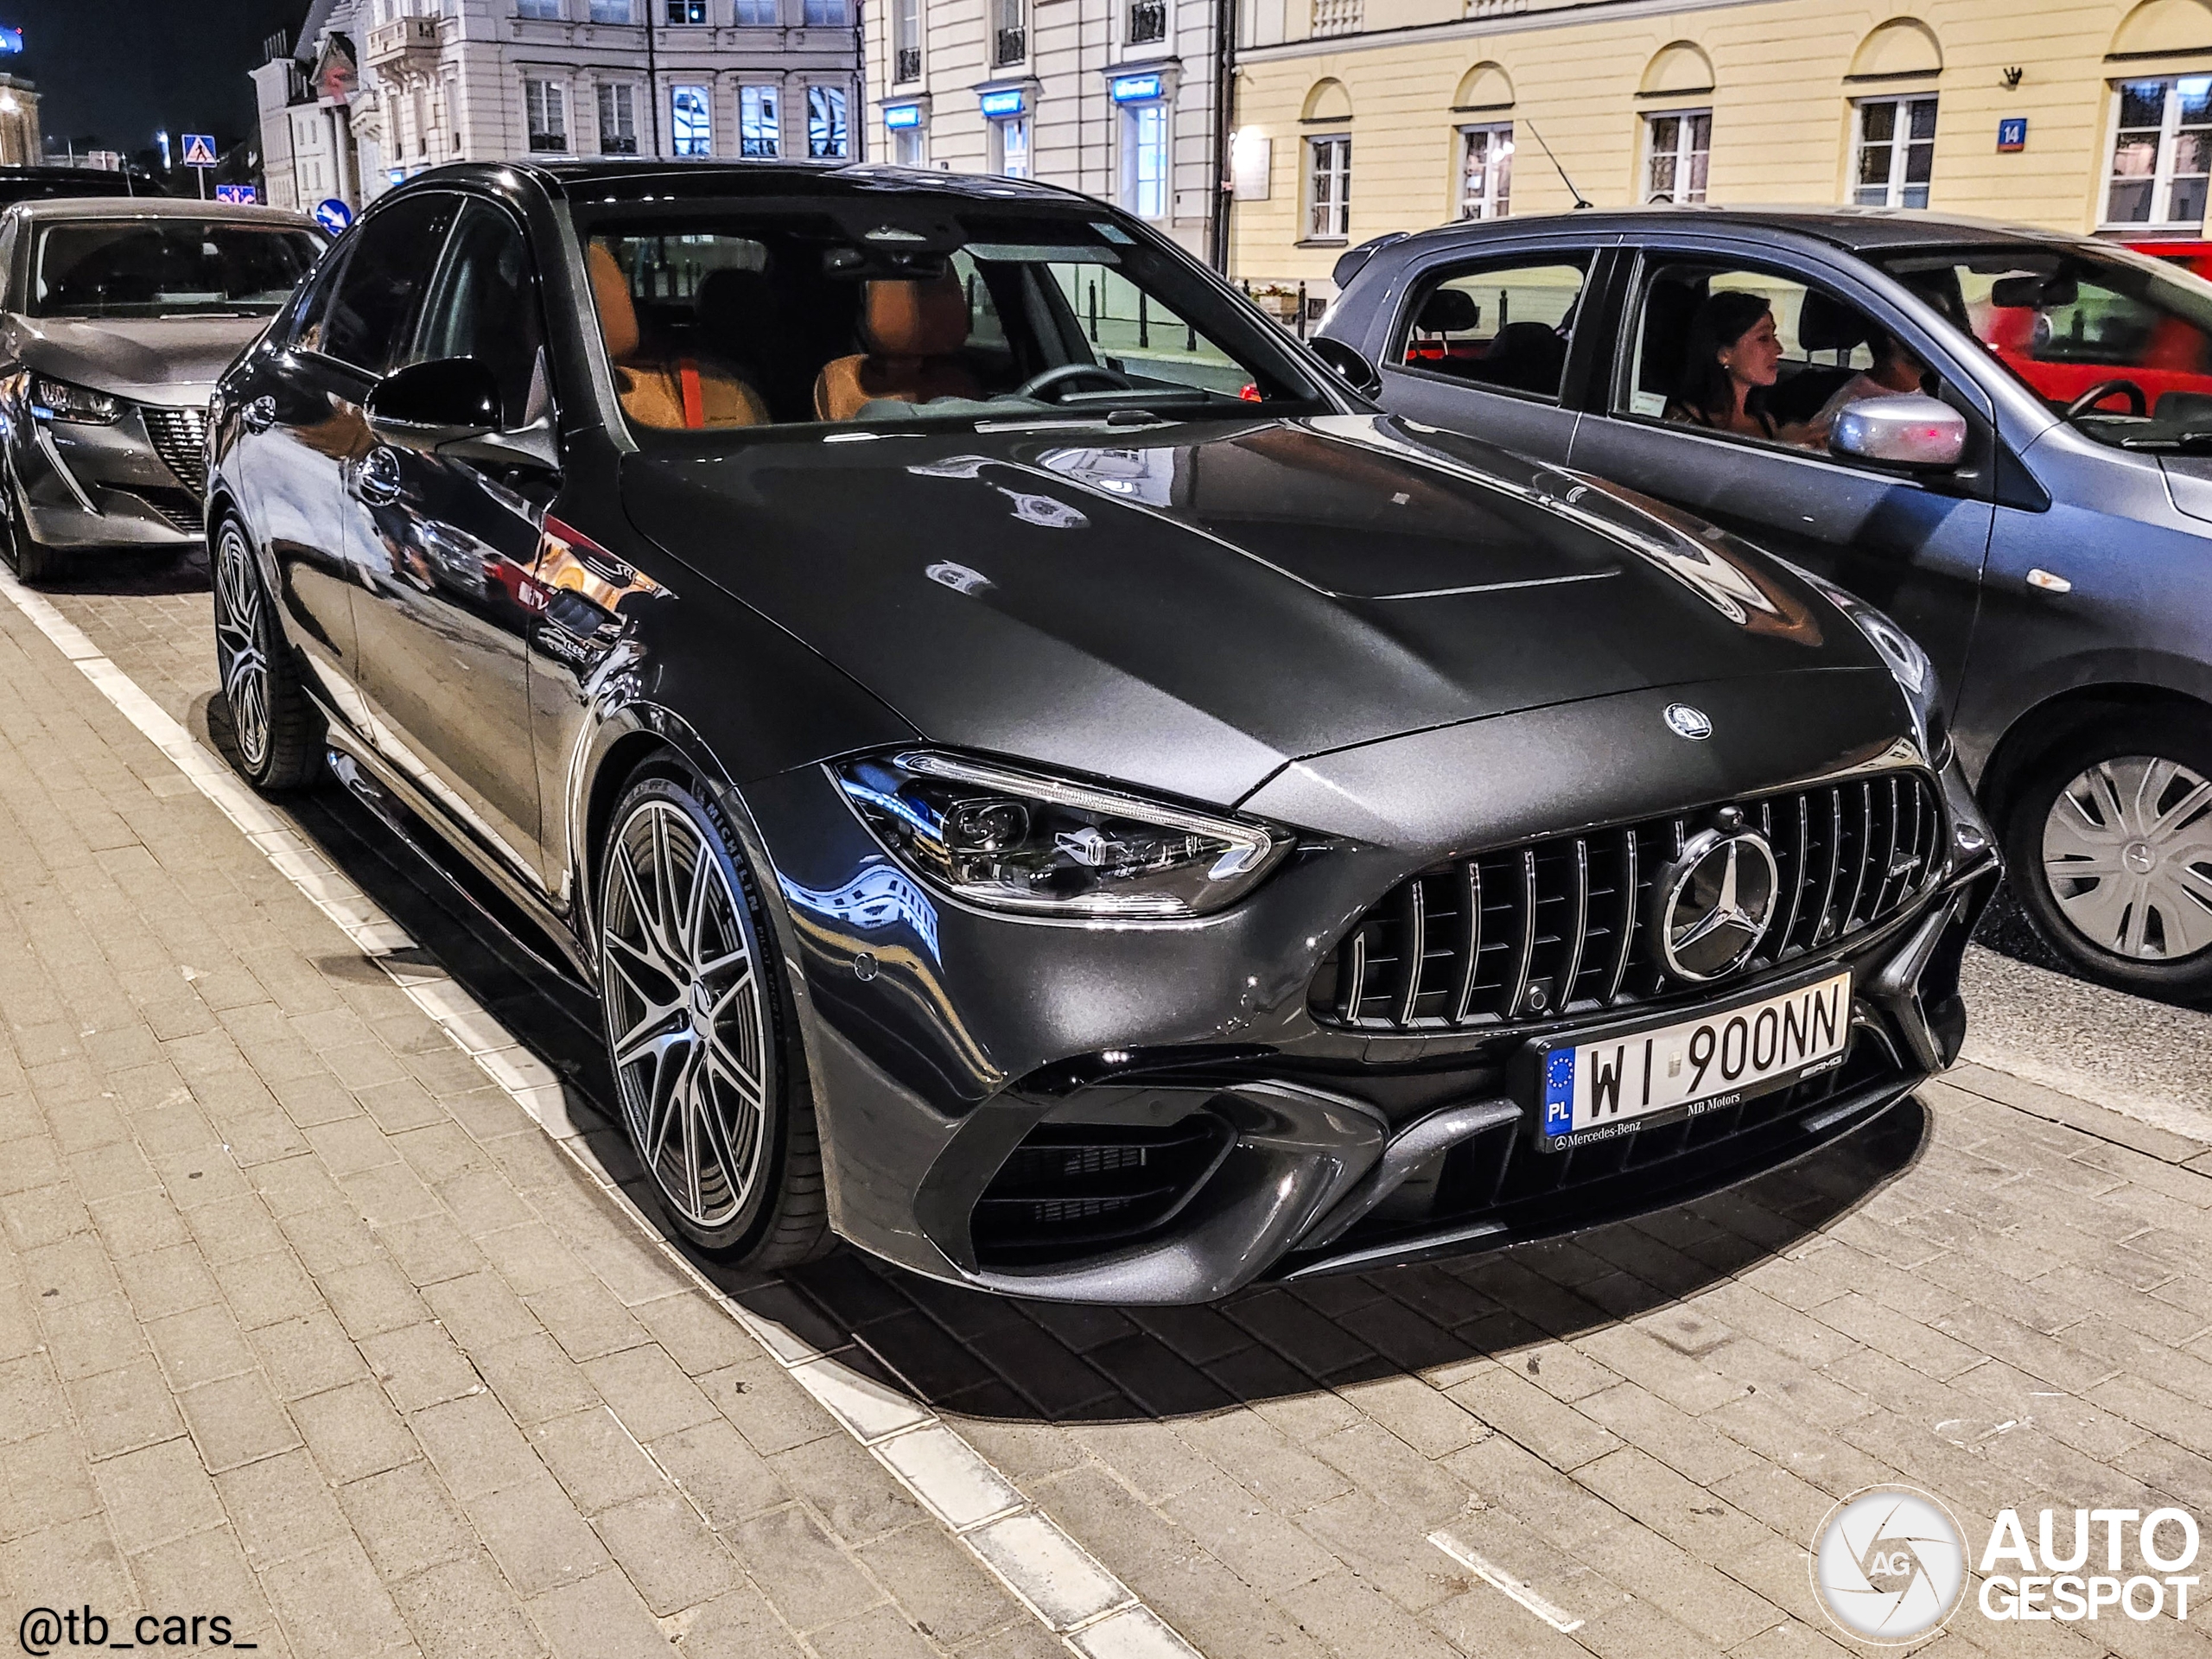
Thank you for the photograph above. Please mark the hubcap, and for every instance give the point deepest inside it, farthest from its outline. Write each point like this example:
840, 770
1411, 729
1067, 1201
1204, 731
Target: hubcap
2127, 852
240, 656
688, 1029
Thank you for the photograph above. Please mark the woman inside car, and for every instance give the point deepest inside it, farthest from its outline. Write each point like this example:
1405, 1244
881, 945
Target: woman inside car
1731, 356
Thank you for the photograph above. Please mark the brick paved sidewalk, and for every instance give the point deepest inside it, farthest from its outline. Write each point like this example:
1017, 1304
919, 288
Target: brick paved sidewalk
303, 1323
2001, 1299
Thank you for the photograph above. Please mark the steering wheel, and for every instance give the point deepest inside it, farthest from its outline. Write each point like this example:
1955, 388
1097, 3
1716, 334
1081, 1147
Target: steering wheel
2089, 400
1068, 372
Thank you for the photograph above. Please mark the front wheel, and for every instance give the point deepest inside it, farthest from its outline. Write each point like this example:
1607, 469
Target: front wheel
698, 1033
273, 720
2109, 841
32, 560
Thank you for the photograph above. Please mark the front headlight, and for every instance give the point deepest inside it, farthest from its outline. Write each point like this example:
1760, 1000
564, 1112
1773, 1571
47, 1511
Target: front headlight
1909, 665
1018, 841
60, 400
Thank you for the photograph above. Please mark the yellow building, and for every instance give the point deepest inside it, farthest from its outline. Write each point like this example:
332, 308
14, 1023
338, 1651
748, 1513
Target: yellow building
1356, 117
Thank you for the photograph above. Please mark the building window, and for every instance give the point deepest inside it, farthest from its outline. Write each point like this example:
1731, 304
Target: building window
612, 11
1487, 171
1896, 152
1147, 22
1144, 160
907, 40
422, 121
1328, 189
909, 148
618, 119
826, 137
548, 9
758, 131
692, 121
2161, 151
1010, 41
827, 14
1677, 150
1010, 139
756, 14
546, 103
687, 11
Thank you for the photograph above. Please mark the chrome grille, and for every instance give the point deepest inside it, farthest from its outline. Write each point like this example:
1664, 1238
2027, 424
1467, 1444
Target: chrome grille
1558, 926
180, 438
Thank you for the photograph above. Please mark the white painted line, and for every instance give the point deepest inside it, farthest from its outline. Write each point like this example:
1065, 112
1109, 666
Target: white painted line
1048, 1570
1553, 1614
1093, 1612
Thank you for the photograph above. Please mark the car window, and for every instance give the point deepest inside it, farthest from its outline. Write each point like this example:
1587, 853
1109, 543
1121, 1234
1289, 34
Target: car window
916, 307
1506, 327
1758, 355
483, 304
393, 254
2068, 322
165, 267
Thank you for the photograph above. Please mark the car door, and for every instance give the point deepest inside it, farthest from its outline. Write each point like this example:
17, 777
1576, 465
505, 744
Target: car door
447, 541
305, 431
1913, 545
1486, 343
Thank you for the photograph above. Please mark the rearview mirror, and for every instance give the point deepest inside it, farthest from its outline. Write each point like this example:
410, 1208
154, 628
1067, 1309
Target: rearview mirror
427, 404
1349, 366
1907, 430
2036, 293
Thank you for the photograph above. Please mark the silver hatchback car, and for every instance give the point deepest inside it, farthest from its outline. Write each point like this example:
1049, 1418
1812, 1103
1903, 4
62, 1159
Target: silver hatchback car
2001, 437
117, 315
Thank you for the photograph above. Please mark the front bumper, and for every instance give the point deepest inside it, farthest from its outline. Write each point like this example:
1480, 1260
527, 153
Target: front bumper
137, 483
1219, 1134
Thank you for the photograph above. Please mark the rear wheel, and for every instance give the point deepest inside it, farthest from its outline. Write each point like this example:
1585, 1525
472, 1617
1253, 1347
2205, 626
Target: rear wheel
699, 1032
278, 734
2109, 841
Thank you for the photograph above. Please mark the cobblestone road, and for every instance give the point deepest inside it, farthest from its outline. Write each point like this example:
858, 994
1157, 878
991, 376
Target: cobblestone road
303, 1322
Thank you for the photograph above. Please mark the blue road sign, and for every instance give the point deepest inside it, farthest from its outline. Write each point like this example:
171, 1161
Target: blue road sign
11, 41
199, 149
332, 214
244, 193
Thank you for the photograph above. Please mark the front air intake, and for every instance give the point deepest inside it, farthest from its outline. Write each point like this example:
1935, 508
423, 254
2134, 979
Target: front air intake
1076, 1189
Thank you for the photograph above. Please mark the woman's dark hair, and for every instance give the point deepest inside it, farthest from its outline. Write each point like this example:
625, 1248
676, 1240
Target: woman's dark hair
1724, 319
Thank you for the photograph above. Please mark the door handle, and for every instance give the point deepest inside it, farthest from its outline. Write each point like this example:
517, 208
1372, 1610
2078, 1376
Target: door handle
376, 478
259, 415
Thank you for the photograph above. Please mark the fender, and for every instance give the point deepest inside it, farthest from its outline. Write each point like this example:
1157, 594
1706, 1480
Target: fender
2126, 673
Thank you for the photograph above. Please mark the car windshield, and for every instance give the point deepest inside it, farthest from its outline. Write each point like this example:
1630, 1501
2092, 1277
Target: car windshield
2119, 344
919, 308
164, 267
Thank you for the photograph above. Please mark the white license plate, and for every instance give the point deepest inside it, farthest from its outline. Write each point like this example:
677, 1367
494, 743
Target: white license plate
1595, 1090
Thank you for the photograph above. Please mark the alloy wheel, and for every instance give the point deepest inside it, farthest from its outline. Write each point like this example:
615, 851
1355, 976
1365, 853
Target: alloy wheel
687, 1025
241, 645
2128, 854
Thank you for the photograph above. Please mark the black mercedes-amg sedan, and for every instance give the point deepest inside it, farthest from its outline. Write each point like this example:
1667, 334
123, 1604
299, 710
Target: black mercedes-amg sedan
1045, 781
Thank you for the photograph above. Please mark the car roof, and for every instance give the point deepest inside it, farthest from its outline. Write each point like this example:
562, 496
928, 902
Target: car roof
629, 180
112, 207
1859, 230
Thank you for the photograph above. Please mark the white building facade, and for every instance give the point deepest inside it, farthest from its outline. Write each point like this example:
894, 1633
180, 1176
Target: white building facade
379, 90
1114, 97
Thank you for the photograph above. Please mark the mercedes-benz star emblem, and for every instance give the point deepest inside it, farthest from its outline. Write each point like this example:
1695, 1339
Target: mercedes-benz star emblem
1686, 721
1712, 904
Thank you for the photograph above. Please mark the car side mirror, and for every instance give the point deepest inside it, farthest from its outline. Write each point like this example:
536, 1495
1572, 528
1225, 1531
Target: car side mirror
1906, 430
1349, 366
427, 404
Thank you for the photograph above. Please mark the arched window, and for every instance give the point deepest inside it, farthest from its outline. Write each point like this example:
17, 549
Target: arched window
2161, 121
1328, 163
1678, 137
1892, 81
1483, 144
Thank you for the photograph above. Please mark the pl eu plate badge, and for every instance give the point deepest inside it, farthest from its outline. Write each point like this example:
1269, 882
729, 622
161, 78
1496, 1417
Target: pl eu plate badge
1559, 1092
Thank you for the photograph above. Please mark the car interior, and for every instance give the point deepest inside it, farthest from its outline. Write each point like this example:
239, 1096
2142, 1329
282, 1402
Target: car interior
1508, 328
799, 320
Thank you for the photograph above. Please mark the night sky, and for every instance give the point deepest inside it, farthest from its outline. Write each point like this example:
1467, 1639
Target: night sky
115, 70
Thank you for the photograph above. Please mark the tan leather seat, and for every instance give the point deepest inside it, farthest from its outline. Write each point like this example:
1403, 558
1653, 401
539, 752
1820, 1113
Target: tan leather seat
914, 331
675, 391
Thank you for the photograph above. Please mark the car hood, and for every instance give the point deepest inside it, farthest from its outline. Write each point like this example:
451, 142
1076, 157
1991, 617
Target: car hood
1190, 607
148, 360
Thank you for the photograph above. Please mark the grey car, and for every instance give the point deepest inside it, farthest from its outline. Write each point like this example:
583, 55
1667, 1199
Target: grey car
2001, 437
116, 318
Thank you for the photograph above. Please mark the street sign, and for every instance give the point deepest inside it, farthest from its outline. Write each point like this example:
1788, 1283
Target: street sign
333, 215
244, 193
2012, 133
199, 149
11, 41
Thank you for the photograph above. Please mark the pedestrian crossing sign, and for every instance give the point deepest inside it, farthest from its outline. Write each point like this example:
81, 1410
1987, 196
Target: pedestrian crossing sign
199, 149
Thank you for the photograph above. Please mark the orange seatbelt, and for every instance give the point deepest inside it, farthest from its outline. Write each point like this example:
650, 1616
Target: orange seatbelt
695, 403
